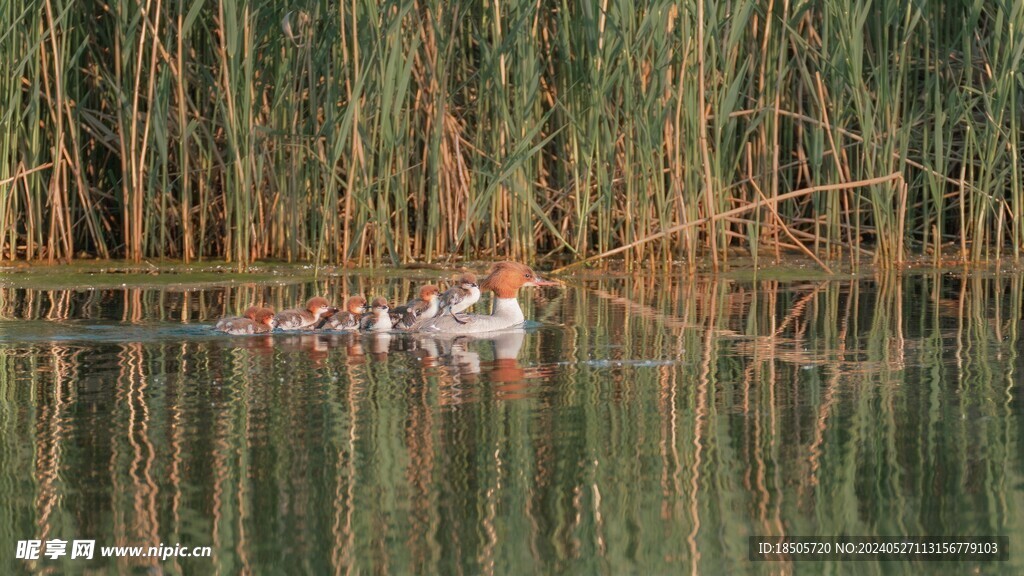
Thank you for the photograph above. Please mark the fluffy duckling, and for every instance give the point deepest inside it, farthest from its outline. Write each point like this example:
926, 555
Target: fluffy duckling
378, 318
299, 319
417, 310
255, 320
459, 297
347, 319
225, 324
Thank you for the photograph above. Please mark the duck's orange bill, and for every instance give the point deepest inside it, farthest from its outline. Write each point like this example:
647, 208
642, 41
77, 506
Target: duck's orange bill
538, 281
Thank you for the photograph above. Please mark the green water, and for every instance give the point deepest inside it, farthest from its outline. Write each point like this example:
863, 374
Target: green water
644, 425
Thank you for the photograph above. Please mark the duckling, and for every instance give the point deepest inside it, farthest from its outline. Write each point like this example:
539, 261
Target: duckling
226, 324
347, 319
255, 320
378, 318
417, 310
298, 319
459, 297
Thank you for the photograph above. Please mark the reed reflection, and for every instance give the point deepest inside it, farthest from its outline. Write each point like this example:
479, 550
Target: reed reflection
648, 425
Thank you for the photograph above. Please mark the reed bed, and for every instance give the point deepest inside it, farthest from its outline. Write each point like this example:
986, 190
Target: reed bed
387, 132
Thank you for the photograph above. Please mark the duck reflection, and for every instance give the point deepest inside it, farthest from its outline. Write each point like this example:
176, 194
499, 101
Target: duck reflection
427, 351
465, 358
466, 354
352, 342
505, 371
459, 361
315, 346
380, 345
260, 344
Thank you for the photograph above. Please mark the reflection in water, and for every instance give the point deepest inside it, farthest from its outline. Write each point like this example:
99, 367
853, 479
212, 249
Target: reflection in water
380, 345
648, 425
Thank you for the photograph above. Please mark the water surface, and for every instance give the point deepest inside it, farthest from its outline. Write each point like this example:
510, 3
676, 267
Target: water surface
638, 425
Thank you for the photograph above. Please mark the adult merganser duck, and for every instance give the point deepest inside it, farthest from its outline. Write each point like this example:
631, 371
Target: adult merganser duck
505, 280
299, 319
459, 297
347, 319
254, 320
378, 318
418, 310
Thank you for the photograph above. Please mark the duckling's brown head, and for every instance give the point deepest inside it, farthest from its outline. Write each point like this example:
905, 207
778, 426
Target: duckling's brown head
265, 316
428, 292
320, 307
356, 305
317, 303
467, 281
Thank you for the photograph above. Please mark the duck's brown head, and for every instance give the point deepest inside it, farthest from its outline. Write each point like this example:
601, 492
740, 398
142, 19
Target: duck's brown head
250, 312
320, 307
264, 316
380, 304
428, 292
506, 278
356, 305
467, 281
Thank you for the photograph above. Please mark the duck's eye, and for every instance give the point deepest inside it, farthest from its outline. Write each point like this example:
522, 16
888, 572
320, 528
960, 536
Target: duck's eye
528, 275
